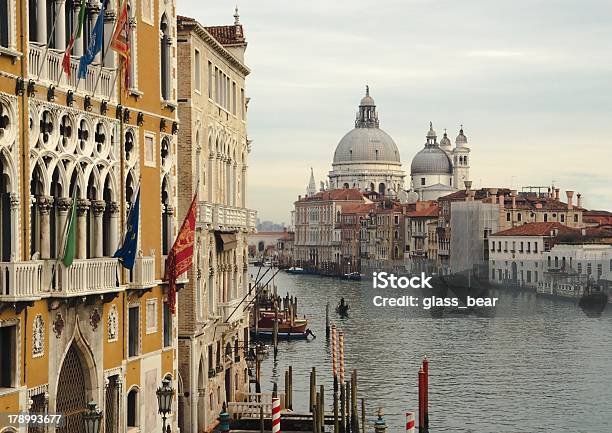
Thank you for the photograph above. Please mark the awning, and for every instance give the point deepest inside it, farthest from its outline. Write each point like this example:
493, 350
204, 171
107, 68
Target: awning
226, 241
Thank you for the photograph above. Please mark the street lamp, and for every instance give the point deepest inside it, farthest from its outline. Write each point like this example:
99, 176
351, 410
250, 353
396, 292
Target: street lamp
164, 401
92, 418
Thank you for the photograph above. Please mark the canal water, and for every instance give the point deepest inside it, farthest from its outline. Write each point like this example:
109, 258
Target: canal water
533, 365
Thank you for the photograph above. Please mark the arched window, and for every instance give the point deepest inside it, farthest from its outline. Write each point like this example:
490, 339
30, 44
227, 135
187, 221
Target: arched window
5, 213
133, 83
260, 246
345, 186
132, 408
381, 188
165, 57
167, 212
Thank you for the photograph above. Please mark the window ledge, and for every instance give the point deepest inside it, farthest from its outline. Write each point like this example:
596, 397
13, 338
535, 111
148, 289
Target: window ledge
166, 103
135, 92
10, 52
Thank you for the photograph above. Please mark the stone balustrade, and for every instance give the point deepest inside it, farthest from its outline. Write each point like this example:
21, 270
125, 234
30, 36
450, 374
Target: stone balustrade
143, 274
225, 217
21, 280
86, 277
50, 68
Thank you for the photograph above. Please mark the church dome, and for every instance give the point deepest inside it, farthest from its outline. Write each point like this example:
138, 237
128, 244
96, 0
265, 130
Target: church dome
461, 140
366, 145
366, 142
431, 159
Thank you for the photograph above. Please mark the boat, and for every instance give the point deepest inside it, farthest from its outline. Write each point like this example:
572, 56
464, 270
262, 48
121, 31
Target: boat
593, 300
287, 329
295, 270
352, 276
342, 308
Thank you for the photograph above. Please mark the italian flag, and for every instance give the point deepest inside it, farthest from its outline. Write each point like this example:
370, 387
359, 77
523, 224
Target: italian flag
70, 239
75, 35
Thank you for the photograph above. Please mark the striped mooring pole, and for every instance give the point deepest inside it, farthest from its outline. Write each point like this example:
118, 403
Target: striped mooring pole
276, 427
341, 347
410, 422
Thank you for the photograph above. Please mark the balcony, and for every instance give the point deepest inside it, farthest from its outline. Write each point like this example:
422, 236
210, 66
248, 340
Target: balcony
224, 217
87, 277
227, 308
50, 67
143, 274
21, 281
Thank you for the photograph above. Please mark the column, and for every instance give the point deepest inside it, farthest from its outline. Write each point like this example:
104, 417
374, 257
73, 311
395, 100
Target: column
82, 208
243, 186
234, 183
14, 225
109, 25
60, 24
78, 44
63, 205
98, 207
41, 21
114, 226
45, 204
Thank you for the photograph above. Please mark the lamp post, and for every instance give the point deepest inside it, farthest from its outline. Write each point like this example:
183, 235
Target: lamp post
164, 401
92, 418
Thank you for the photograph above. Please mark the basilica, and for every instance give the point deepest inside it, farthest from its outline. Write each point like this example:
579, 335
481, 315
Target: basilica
367, 158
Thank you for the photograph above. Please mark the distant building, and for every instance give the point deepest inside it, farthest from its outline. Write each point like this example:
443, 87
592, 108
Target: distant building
419, 239
383, 237
367, 158
515, 254
317, 228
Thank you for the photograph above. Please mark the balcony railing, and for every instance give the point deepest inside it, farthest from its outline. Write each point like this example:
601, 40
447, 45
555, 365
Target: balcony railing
227, 308
227, 217
86, 277
143, 274
50, 67
21, 280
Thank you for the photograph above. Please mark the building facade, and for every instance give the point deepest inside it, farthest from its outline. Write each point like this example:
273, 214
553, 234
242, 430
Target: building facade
91, 331
317, 244
213, 156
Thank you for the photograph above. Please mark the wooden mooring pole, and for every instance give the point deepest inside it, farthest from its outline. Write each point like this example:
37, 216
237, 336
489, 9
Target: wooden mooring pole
313, 388
354, 412
327, 330
290, 387
426, 393
347, 420
342, 409
322, 408
363, 416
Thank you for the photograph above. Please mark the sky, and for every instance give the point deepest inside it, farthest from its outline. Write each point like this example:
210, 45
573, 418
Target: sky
530, 80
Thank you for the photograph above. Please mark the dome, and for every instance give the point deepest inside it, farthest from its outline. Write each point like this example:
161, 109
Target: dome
431, 160
367, 101
445, 143
366, 145
461, 139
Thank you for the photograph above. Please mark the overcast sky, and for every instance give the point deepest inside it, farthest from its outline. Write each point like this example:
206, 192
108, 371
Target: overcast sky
530, 80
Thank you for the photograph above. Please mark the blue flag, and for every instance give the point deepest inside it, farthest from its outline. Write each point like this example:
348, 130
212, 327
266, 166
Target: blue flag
127, 252
96, 39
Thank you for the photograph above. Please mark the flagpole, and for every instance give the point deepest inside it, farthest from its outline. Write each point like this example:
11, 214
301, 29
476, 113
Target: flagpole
104, 59
64, 238
74, 32
47, 46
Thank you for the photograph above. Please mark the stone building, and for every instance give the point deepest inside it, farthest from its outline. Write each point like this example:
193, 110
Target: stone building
213, 155
91, 331
383, 237
317, 232
367, 158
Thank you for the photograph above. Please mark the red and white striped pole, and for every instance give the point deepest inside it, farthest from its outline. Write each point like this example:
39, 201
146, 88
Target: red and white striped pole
276, 415
410, 422
341, 343
334, 361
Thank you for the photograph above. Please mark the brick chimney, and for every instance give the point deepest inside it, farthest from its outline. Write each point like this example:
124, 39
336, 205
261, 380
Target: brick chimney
557, 193
570, 199
579, 200
513, 195
493, 192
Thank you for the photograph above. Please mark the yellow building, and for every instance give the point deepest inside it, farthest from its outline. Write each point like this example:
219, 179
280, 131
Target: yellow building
92, 331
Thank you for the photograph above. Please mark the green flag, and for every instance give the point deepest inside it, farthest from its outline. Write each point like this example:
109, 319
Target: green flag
82, 15
70, 240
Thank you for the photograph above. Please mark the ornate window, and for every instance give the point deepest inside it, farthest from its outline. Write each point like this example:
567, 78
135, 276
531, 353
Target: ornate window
165, 44
38, 336
113, 324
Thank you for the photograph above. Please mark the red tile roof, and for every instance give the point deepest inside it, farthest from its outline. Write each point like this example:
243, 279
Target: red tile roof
227, 35
357, 208
431, 211
538, 229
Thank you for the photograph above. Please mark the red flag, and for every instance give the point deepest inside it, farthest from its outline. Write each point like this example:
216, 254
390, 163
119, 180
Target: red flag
180, 256
120, 42
66, 58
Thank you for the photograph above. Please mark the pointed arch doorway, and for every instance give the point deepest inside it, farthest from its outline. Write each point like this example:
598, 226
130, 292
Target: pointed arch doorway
72, 391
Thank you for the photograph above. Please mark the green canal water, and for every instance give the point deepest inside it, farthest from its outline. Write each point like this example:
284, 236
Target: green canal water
533, 365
